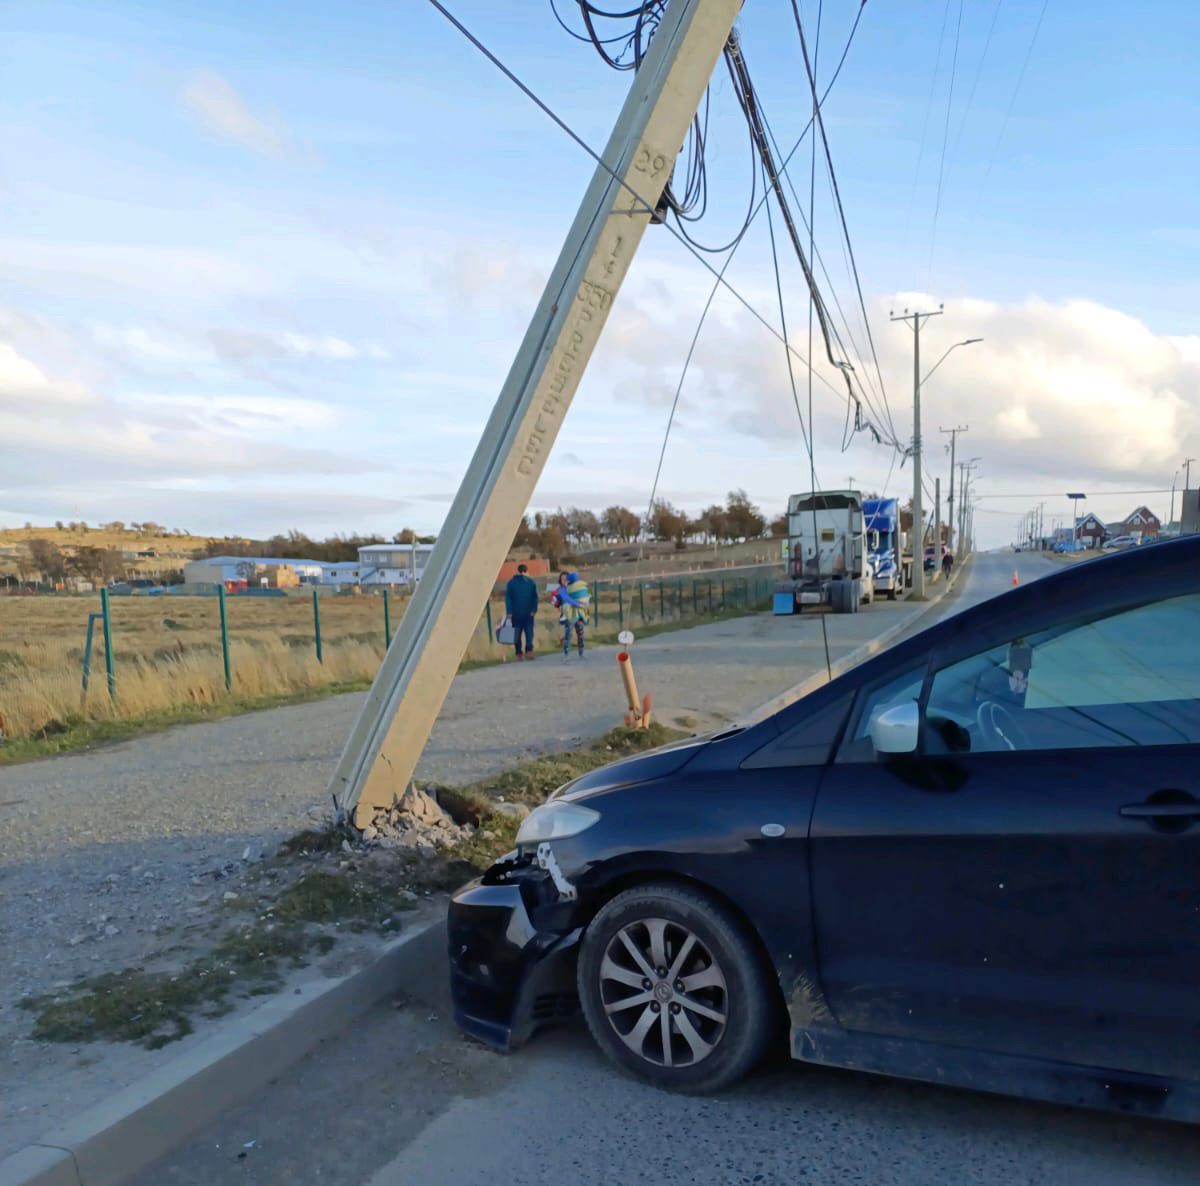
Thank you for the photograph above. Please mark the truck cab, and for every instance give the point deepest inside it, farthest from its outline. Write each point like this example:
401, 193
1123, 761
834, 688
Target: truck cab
885, 545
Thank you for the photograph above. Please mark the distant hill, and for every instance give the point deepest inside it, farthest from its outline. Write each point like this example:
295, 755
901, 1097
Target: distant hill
151, 552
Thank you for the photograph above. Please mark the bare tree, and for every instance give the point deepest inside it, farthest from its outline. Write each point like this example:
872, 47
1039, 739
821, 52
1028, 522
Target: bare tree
47, 558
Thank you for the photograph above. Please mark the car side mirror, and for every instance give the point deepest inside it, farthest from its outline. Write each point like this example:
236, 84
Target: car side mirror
896, 730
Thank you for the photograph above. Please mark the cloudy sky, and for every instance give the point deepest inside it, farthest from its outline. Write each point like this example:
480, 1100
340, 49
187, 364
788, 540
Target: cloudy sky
265, 266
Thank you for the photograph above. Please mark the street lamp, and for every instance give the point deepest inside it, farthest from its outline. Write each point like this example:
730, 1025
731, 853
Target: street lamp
965, 342
918, 589
1076, 499
966, 468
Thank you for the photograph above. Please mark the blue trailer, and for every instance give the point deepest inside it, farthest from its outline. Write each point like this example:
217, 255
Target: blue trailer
885, 545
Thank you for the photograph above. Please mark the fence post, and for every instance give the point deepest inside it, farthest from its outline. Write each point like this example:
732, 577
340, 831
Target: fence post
695, 607
679, 596
317, 627
488, 609
224, 636
387, 621
710, 608
108, 654
723, 605
662, 612
621, 604
87, 650
596, 615
642, 600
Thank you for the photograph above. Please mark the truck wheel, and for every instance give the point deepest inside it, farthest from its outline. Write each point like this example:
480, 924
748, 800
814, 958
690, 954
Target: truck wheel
673, 989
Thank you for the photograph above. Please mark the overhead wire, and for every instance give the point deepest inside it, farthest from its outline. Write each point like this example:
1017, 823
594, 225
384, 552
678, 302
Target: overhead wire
1012, 101
646, 206
812, 302
818, 119
937, 65
937, 202
987, 44
764, 200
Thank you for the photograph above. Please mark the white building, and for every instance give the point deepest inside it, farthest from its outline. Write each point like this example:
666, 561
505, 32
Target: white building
392, 564
339, 572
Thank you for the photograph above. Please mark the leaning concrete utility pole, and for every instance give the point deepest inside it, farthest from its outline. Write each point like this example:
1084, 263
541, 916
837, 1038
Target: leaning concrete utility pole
918, 590
950, 501
394, 723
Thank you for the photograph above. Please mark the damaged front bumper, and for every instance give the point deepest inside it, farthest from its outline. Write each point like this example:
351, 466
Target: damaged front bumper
513, 940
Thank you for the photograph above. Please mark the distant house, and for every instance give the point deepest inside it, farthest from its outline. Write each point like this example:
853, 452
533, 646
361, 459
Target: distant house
1143, 521
1091, 531
392, 564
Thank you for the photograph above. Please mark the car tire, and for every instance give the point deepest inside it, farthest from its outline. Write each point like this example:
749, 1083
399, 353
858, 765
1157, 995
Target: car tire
891, 593
724, 976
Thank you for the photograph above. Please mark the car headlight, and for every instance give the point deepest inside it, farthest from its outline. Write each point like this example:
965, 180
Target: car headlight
555, 820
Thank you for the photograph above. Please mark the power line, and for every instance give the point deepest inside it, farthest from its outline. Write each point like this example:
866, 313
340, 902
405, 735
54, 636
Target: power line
729, 259
937, 204
937, 64
1060, 494
987, 44
810, 70
744, 89
646, 206
1012, 101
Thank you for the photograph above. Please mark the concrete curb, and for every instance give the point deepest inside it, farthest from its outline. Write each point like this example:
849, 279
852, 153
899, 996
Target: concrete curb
853, 659
111, 1142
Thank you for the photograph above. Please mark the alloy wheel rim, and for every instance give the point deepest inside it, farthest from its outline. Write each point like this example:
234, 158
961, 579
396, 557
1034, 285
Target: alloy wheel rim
664, 993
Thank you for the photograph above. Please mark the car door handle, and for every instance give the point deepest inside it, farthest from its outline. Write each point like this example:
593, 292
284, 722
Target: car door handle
1165, 805
1153, 810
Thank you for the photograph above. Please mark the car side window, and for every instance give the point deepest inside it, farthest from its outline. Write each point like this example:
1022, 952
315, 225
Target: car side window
1127, 679
856, 746
809, 742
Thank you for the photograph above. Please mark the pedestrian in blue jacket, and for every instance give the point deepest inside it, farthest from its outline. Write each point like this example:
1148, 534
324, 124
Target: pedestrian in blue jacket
521, 603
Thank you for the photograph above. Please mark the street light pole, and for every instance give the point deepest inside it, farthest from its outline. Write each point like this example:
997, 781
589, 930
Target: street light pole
966, 468
1187, 472
950, 501
916, 319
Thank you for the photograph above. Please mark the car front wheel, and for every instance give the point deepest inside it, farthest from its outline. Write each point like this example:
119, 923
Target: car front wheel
673, 989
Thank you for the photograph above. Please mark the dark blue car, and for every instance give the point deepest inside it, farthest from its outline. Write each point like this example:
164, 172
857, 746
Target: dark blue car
974, 860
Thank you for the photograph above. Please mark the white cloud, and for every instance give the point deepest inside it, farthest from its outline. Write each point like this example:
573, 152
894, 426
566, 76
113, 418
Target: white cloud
241, 346
215, 102
24, 383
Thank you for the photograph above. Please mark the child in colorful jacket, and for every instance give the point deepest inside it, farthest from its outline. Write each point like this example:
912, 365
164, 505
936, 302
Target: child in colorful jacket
572, 599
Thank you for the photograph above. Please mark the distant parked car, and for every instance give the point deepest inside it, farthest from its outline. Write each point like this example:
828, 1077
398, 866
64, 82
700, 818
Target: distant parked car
1119, 541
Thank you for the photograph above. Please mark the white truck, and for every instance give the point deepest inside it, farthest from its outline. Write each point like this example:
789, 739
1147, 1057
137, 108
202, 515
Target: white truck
829, 562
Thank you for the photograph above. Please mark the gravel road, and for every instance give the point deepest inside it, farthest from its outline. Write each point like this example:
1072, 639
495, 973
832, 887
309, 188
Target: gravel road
108, 855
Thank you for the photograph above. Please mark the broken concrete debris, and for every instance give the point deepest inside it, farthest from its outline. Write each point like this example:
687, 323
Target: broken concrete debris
416, 821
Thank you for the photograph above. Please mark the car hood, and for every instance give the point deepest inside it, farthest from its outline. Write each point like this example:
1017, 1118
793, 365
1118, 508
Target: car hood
656, 763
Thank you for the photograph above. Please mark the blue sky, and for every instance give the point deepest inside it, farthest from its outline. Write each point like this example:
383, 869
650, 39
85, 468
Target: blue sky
266, 265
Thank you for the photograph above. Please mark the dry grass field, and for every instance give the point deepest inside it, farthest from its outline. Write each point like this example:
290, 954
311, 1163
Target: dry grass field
168, 663
167, 654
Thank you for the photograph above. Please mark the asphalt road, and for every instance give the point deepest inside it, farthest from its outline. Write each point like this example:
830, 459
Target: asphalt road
406, 1101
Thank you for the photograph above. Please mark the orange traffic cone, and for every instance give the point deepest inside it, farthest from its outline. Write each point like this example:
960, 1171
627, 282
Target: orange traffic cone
1016, 578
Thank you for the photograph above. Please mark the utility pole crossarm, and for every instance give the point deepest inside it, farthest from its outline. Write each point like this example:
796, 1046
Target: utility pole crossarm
408, 692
